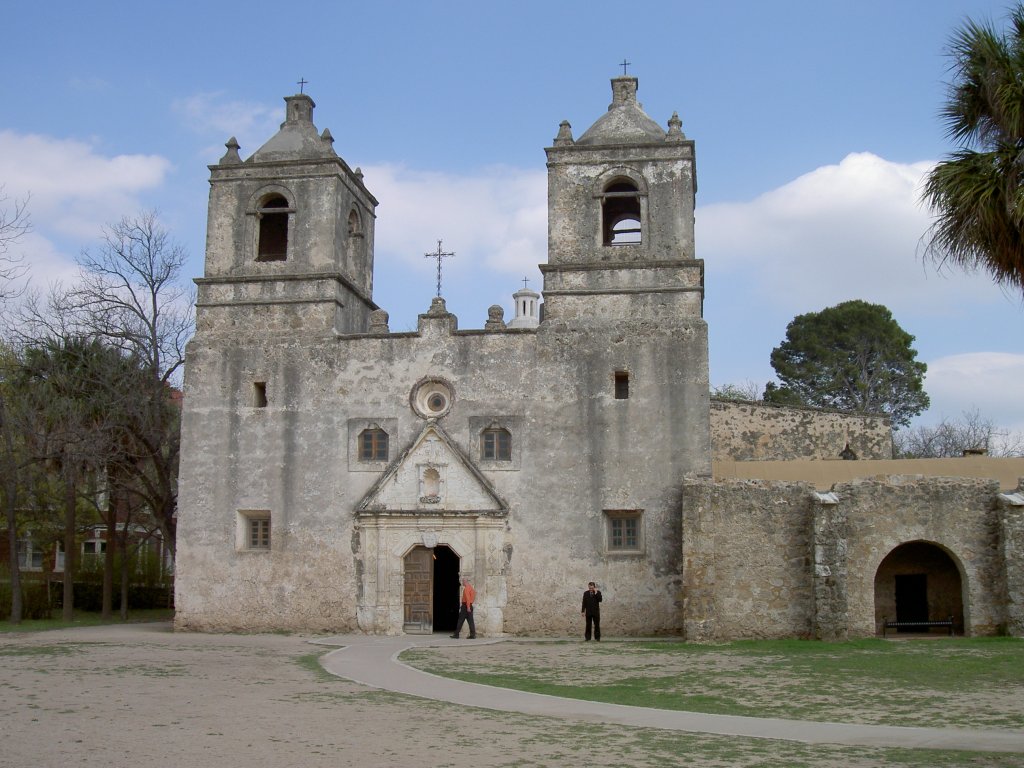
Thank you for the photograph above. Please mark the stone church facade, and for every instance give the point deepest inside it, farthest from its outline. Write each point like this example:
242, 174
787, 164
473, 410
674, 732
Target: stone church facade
337, 476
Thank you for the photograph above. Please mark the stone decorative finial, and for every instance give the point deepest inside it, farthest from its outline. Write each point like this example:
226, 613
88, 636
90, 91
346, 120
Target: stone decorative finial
564, 136
437, 307
675, 128
231, 156
379, 322
359, 173
327, 139
495, 318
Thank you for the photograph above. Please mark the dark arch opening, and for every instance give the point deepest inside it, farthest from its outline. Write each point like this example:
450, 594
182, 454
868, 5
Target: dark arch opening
919, 581
446, 589
273, 243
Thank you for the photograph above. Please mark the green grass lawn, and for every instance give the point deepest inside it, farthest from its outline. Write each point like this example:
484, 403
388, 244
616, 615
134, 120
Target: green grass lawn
87, 619
942, 682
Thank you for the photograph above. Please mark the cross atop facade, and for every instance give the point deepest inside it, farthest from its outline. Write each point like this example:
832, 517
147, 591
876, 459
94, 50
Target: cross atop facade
526, 280
303, 82
625, 64
439, 255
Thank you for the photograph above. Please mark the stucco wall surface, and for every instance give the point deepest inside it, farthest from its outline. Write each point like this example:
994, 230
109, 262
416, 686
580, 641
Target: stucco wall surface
748, 431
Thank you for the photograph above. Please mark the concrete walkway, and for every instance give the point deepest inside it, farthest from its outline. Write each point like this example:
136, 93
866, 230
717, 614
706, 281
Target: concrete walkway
373, 660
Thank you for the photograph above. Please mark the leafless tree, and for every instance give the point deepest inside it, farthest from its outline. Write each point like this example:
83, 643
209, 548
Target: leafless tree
14, 225
130, 295
747, 390
955, 437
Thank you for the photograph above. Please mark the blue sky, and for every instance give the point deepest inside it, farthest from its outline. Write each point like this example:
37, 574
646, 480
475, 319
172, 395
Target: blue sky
813, 124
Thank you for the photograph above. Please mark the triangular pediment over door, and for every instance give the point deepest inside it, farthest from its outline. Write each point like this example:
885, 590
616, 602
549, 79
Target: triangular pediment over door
433, 475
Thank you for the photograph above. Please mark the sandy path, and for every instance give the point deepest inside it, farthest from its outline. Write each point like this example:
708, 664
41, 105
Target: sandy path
127, 696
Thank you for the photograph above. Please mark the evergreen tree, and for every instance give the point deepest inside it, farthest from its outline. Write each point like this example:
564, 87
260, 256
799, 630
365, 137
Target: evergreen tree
852, 357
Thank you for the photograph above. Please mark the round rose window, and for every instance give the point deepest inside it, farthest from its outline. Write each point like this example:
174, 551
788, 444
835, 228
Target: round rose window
431, 398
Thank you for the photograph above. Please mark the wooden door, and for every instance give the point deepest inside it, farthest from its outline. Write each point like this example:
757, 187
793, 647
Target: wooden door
419, 591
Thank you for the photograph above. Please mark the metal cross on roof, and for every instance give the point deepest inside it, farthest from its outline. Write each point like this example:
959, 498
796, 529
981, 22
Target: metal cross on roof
303, 82
526, 280
439, 255
625, 64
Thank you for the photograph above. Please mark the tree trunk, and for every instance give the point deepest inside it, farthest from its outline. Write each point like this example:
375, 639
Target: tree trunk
110, 518
12, 543
10, 493
70, 499
124, 576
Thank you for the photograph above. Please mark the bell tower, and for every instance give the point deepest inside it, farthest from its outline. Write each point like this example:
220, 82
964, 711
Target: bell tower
620, 219
289, 245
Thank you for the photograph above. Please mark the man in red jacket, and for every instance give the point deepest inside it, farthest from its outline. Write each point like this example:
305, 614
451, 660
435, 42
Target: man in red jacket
466, 609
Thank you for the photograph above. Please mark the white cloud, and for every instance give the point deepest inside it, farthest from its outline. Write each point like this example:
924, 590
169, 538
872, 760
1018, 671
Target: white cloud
209, 113
851, 230
988, 382
73, 190
495, 219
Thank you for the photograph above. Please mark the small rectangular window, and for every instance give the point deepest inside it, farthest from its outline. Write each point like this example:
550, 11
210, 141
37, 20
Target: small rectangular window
259, 394
625, 533
621, 385
497, 445
259, 534
253, 531
373, 445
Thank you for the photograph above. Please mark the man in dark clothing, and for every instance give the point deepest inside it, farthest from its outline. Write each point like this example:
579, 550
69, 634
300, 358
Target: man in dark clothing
592, 610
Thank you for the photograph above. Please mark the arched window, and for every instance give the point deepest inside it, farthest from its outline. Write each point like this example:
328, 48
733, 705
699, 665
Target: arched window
273, 237
620, 214
496, 444
355, 227
373, 445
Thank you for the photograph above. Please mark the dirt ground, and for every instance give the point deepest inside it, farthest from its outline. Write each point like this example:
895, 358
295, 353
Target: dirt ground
134, 695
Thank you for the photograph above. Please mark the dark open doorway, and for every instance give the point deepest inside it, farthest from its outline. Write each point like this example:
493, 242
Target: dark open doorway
911, 598
446, 589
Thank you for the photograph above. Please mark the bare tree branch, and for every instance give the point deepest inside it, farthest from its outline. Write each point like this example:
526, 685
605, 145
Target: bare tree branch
14, 225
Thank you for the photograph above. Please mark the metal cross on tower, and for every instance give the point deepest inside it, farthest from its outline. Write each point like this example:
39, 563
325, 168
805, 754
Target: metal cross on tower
439, 255
303, 82
526, 282
625, 64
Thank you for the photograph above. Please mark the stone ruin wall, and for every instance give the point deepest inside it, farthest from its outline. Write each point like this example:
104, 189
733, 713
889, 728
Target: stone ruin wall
956, 514
752, 431
773, 559
746, 559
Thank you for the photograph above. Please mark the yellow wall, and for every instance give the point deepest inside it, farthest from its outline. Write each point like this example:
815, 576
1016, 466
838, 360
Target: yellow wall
824, 474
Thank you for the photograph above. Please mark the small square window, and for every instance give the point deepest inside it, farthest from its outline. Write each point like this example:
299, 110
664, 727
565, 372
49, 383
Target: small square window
254, 530
625, 532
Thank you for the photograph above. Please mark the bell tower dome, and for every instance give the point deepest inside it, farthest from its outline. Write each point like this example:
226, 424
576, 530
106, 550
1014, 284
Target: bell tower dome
620, 218
289, 245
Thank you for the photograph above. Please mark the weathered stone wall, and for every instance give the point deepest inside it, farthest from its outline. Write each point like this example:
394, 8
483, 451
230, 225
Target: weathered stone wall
746, 431
1011, 514
580, 452
956, 515
746, 559
772, 559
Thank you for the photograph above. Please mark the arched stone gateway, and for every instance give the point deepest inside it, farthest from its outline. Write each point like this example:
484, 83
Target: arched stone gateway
919, 581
